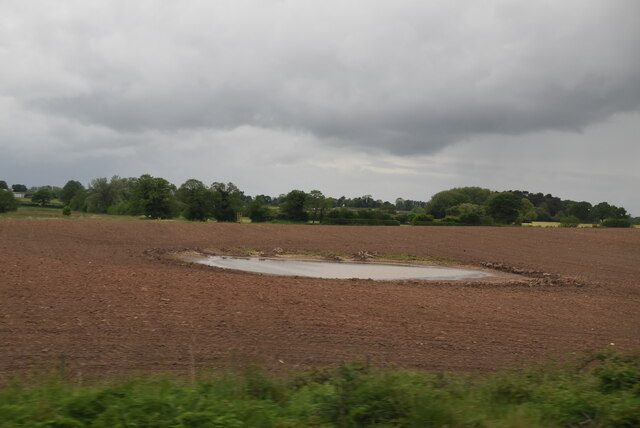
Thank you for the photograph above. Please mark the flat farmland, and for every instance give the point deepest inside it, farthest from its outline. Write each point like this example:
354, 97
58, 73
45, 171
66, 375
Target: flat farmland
99, 297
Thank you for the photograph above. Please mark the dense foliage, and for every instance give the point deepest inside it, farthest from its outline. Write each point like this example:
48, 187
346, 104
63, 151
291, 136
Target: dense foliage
368, 217
293, 207
154, 197
70, 190
7, 201
228, 201
42, 196
602, 389
197, 200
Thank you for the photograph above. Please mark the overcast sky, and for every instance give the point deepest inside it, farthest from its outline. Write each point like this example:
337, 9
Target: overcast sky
390, 98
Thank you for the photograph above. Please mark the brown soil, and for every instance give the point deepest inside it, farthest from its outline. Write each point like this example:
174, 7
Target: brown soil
102, 297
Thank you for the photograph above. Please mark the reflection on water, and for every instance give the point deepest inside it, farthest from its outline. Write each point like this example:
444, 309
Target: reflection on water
338, 270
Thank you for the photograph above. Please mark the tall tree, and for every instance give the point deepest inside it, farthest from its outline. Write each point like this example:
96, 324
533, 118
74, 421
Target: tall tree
153, 197
198, 200
315, 200
528, 211
228, 201
103, 193
504, 207
3, 185
69, 191
293, 206
581, 210
18, 187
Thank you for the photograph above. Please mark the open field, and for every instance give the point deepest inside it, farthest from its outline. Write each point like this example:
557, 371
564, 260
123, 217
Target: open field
100, 297
551, 224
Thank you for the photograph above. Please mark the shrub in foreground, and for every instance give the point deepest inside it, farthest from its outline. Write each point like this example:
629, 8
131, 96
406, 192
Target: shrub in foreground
602, 389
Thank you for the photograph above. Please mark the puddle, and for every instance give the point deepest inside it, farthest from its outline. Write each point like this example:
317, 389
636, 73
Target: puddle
338, 270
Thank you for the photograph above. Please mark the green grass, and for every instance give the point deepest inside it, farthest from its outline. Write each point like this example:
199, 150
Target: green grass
34, 212
600, 390
552, 224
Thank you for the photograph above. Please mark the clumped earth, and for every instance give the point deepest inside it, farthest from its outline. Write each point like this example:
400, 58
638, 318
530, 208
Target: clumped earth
100, 297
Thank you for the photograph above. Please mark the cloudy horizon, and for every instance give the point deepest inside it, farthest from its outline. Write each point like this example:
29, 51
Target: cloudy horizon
393, 99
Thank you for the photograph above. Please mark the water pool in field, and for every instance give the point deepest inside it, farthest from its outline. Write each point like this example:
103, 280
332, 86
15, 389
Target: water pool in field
338, 270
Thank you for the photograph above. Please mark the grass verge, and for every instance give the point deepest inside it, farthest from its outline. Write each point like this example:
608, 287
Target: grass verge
601, 389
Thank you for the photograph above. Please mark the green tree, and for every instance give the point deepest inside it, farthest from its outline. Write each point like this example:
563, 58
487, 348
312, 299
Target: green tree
602, 211
69, 191
153, 197
3, 185
469, 213
504, 207
326, 205
19, 188
581, 210
315, 202
258, 212
228, 201
42, 196
293, 206
442, 201
198, 200
78, 202
7, 201
528, 212
264, 199
103, 193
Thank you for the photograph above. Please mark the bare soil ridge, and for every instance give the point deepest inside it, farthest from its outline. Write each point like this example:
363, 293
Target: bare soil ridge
101, 297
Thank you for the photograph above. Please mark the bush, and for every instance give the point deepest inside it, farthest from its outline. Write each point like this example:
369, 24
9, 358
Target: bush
360, 221
486, 220
345, 216
601, 389
121, 208
7, 201
471, 218
402, 218
616, 222
421, 219
259, 212
570, 221
66, 210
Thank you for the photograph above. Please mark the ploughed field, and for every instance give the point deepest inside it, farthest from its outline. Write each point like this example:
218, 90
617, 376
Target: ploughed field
101, 297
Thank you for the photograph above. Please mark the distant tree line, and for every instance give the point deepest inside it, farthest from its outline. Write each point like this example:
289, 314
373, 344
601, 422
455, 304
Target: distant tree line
155, 197
475, 205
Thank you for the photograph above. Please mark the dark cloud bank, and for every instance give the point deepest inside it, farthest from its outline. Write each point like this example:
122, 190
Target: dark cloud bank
405, 78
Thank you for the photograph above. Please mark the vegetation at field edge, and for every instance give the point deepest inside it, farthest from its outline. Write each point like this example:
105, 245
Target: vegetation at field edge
602, 389
156, 198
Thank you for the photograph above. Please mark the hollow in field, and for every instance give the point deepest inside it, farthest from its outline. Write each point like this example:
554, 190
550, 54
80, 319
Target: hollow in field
339, 270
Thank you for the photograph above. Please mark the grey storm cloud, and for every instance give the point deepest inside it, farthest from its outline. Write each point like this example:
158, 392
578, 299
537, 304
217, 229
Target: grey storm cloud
408, 77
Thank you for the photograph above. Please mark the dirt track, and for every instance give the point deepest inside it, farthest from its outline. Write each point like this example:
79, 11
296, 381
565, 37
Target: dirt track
90, 292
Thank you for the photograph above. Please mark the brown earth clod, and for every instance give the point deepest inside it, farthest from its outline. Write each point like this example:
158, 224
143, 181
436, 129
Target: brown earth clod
111, 298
